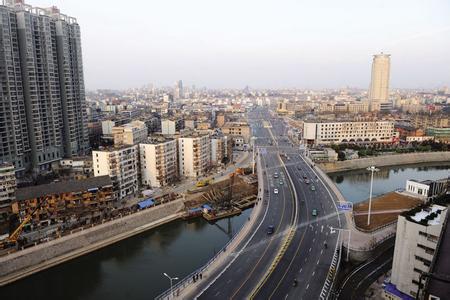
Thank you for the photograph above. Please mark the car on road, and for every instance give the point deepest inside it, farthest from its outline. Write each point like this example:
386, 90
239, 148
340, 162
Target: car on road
299, 168
275, 175
270, 229
314, 213
281, 182
275, 191
313, 188
307, 181
304, 177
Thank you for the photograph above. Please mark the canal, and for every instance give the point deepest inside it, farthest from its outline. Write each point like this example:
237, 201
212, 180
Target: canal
355, 185
133, 268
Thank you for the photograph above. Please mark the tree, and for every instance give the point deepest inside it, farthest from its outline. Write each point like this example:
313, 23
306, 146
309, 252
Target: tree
341, 155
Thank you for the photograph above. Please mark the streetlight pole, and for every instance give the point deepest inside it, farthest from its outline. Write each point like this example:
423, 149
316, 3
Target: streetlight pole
332, 230
371, 169
171, 279
253, 155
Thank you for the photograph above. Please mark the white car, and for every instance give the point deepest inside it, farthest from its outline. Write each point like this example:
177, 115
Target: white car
275, 191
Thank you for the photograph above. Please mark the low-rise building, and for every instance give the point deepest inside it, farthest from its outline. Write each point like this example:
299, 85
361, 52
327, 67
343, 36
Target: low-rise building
194, 156
236, 130
323, 155
130, 134
427, 189
61, 201
439, 133
171, 126
221, 150
348, 132
418, 233
121, 164
158, 160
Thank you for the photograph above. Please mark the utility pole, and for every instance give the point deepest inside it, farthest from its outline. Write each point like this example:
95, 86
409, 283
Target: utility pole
371, 169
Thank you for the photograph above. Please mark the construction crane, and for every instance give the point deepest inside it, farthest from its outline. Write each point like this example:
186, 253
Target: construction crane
14, 236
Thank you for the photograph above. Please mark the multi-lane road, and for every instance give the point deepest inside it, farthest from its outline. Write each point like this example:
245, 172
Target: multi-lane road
301, 249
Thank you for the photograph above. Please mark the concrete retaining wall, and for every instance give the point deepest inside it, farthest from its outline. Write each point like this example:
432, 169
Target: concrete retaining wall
386, 160
26, 262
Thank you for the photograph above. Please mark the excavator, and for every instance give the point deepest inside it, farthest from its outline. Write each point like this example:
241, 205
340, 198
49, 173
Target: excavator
12, 239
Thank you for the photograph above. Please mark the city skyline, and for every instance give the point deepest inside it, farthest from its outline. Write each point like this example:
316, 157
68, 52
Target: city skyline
262, 45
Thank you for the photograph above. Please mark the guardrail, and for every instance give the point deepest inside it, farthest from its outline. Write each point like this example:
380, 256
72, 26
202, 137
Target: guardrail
189, 278
332, 271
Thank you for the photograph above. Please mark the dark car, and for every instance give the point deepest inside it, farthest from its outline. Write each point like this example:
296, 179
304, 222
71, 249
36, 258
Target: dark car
270, 229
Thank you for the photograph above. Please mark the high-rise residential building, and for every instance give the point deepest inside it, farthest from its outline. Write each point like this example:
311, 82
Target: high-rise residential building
416, 241
179, 92
379, 83
194, 156
348, 132
122, 165
42, 100
158, 160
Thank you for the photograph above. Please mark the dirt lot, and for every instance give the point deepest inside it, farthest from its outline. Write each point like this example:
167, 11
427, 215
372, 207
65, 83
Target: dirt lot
385, 209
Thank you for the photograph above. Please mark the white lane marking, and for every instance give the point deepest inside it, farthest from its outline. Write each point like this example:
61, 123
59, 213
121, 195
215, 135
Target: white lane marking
309, 249
301, 269
321, 251
318, 261
314, 272
321, 229
307, 287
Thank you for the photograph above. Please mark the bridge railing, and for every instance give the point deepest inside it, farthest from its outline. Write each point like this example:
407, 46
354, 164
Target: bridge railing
333, 270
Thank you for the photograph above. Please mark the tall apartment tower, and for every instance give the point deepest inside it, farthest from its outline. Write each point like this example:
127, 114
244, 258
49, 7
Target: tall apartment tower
42, 100
179, 93
379, 84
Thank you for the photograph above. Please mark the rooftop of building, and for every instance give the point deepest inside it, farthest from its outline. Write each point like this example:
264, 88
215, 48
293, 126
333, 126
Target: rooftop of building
157, 139
427, 215
52, 11
62, 187
235, 124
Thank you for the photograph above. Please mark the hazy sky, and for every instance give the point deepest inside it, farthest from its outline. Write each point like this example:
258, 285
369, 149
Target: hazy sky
263, 44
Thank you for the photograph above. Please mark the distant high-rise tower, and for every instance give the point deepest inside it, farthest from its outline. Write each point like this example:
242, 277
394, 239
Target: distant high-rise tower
179, 93
42, 100
379, 84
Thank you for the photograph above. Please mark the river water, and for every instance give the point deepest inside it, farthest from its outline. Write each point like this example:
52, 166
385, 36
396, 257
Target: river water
132, 269
355, 185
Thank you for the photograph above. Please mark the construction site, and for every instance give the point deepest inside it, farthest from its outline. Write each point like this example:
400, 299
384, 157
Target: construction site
214, 200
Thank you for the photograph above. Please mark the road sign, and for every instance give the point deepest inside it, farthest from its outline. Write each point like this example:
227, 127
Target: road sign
346, 206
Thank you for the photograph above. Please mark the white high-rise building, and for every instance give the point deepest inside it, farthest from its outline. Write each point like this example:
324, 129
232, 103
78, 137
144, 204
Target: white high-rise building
379, 83
121, 164
158, 159
416, 241
194, 156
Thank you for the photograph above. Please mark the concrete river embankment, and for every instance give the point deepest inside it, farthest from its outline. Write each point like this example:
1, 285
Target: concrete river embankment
26, 262
386, 160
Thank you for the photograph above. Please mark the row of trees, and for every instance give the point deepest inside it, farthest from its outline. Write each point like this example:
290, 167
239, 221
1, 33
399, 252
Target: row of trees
365, 150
